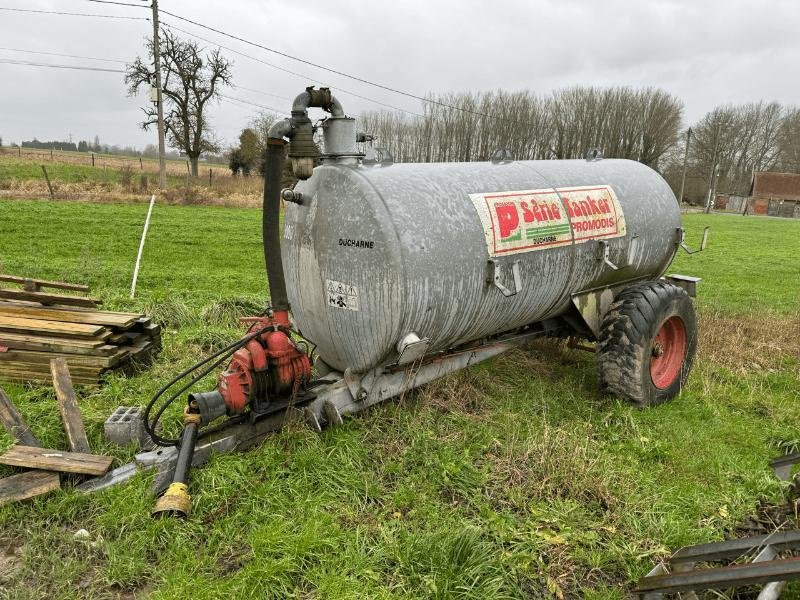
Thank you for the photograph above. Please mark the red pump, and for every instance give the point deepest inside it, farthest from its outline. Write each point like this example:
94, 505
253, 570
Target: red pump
269, 364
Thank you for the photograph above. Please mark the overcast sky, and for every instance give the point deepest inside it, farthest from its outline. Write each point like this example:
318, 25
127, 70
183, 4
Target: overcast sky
706, 52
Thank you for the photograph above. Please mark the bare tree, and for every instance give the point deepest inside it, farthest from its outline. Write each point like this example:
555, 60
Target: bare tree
190, 82
626, 123
789, 141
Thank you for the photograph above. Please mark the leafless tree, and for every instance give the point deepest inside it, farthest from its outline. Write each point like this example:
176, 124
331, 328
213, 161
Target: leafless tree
622, 122
789, 141
734, 141
190, 81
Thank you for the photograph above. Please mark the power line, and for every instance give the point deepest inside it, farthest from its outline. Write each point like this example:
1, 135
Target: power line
9, 61
119, 3
290, 72
114, 60
72, 14
248, 102
262, 92
331, 70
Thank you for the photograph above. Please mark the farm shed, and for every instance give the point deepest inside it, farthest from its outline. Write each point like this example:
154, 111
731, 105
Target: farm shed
775, 194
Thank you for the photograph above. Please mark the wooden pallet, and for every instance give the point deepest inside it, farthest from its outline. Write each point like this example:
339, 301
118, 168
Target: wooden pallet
36, 326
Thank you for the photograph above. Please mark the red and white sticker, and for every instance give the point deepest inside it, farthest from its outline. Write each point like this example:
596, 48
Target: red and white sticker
524, 221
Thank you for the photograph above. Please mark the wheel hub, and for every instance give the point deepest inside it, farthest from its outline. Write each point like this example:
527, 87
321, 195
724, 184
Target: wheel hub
668, 352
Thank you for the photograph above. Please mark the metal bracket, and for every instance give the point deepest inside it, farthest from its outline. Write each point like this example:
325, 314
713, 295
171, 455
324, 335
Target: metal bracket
411, 348
496, 277
378, 156
501, 155
603, 254
593, 154
682, 242
361, 385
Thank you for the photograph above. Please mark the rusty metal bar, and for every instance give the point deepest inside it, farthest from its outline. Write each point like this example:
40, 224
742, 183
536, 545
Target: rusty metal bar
722, 577
730, 549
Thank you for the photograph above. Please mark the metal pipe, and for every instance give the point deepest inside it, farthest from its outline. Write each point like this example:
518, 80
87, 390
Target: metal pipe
303, 152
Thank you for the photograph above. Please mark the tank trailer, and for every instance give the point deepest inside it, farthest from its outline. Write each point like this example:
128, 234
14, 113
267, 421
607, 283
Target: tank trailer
397, 274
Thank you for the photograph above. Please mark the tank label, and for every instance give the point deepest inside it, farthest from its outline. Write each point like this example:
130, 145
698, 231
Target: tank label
529, 220
341, 295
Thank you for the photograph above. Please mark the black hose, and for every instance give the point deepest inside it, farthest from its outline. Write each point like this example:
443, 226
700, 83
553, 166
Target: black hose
220, 355
273, 170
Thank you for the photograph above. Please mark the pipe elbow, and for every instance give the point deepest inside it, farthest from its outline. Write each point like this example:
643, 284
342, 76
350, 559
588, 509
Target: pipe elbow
336, 108
280, 129
301, 102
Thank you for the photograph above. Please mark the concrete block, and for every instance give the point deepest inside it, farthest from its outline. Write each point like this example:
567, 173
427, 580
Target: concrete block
125, 425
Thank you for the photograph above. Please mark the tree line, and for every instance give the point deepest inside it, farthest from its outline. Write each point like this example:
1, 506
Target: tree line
727, 144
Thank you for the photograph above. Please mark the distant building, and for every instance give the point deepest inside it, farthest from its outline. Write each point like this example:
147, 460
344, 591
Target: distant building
775, 194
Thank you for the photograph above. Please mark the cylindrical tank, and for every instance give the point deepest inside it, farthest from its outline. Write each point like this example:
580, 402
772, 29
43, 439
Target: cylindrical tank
375, 253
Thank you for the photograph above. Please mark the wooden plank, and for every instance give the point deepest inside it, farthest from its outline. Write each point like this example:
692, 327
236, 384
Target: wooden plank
62, 285
44, 298
74, 360
121, 320
56, 460
14, 423
44, 378
27, 485
51, 327
37, 343
68, 405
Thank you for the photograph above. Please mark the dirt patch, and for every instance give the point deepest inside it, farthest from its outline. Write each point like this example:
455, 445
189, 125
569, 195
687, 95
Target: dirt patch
745, 344
459, 392
10, 561
555, 464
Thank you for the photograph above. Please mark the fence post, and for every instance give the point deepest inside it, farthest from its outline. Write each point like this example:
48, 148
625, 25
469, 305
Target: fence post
210, 176
47, 179
141, 164
92, 158
19, 148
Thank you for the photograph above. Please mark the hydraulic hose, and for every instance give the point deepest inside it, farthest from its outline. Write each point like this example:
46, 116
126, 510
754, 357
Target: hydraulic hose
273, 169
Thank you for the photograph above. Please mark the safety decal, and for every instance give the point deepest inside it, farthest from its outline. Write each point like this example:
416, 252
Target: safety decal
523, 221
341, 295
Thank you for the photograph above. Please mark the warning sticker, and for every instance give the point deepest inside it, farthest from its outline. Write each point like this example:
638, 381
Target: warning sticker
529, 220
341, 295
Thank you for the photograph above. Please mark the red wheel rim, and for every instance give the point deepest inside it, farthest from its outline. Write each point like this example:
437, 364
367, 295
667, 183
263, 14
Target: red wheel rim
667, 352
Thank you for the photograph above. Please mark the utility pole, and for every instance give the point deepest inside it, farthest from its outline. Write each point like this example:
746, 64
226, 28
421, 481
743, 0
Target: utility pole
162, 163
712, 183
685, 160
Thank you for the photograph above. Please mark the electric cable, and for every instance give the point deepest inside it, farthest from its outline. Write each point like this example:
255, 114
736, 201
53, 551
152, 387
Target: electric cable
119, 3
290, 72
331, 70
73, 14
114, 60
11, 61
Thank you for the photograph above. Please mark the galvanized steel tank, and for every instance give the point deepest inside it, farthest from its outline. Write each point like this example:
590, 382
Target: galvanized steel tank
375, 253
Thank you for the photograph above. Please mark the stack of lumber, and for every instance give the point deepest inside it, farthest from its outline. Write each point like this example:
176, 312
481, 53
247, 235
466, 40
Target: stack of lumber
43, 465
36, 326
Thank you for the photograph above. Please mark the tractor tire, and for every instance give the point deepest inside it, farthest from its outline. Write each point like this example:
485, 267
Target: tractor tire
647, 343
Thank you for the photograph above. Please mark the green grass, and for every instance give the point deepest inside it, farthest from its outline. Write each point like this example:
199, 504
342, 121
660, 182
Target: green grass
30, 169
512, 479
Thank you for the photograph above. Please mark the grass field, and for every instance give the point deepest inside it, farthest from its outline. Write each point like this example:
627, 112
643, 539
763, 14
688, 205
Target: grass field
514, 479
118, 178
